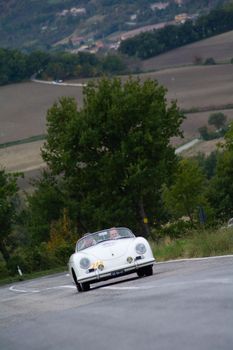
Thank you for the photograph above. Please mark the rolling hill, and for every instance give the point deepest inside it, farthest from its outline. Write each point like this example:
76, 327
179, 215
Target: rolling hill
36, 24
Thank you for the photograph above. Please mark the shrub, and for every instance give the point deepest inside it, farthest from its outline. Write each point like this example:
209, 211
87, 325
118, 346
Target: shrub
175, 229
209, 61
3, 270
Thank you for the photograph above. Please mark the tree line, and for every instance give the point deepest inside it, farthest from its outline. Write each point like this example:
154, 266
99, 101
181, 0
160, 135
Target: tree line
149, 44
16, 66
111, 163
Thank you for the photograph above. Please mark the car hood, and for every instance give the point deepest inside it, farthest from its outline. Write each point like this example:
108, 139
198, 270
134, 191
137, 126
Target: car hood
110, 249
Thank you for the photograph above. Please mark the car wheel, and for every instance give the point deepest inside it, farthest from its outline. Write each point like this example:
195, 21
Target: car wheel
148, 270
85, 286
140, 272
78, 285
145, 271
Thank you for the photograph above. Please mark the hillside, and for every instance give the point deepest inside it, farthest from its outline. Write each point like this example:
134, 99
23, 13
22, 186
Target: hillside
35, 24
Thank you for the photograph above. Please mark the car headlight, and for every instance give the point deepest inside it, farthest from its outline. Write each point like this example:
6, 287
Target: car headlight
140, 248
84, 263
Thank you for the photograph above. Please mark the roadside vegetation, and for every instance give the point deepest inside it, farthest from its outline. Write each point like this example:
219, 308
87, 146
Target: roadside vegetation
196, 244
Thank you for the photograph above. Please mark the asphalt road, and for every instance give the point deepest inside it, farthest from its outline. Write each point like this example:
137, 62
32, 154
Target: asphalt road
185, 305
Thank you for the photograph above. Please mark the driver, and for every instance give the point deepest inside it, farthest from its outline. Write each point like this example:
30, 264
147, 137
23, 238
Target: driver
113, 233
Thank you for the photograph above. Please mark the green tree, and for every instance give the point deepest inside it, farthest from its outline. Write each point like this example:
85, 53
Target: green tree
221, 188
217, 119
204, 133
8, 207
44, 206
115, 152
187, 193
220, 193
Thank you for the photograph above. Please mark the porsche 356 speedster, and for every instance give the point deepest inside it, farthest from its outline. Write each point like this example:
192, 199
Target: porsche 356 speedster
107, 254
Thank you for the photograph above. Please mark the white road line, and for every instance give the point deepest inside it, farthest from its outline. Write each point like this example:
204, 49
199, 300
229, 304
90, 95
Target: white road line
13, 289
128, 288
194, 259
61, 287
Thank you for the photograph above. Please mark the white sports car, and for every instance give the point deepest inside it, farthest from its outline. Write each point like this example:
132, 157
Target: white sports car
107, 254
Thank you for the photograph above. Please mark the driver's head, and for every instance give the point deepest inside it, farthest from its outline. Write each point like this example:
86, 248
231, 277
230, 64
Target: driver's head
113, 233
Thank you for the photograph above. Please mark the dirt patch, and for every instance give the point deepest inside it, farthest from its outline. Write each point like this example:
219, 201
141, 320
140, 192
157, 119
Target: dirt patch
205, 147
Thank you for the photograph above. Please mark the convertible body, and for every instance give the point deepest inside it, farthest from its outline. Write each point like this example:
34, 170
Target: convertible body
107, 254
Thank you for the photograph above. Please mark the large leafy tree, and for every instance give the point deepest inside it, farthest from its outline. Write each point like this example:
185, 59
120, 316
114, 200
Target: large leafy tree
8, 207
221, 187
44, 206
187, 194
114, 153
217, 119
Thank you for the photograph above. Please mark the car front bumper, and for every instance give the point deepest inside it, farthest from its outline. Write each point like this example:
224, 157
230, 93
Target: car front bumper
98, 275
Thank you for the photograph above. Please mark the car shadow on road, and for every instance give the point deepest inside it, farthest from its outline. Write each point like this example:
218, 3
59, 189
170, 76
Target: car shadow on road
113, 282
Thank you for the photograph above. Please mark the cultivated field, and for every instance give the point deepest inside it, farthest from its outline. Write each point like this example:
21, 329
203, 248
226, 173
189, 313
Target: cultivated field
24, 106
194, 121
219, 47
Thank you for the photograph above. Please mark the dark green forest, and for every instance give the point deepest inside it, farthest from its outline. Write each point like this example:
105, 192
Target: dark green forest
16, 66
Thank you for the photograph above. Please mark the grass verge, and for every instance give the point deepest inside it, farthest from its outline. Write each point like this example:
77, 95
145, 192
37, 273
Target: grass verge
196, 244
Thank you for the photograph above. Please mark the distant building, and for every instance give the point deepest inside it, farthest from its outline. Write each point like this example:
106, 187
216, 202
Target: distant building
74, 11
159, 6
77, 40
133, 17
181, 18
179, 2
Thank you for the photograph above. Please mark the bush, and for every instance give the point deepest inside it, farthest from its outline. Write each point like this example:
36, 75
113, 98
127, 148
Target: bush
209, 61
3, 270
175, 229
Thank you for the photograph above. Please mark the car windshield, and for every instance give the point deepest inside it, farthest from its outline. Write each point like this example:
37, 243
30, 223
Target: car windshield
113, 233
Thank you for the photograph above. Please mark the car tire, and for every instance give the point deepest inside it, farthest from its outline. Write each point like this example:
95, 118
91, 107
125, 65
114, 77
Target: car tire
145, 271
85, 286
78, 285
148, 270
140, 272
